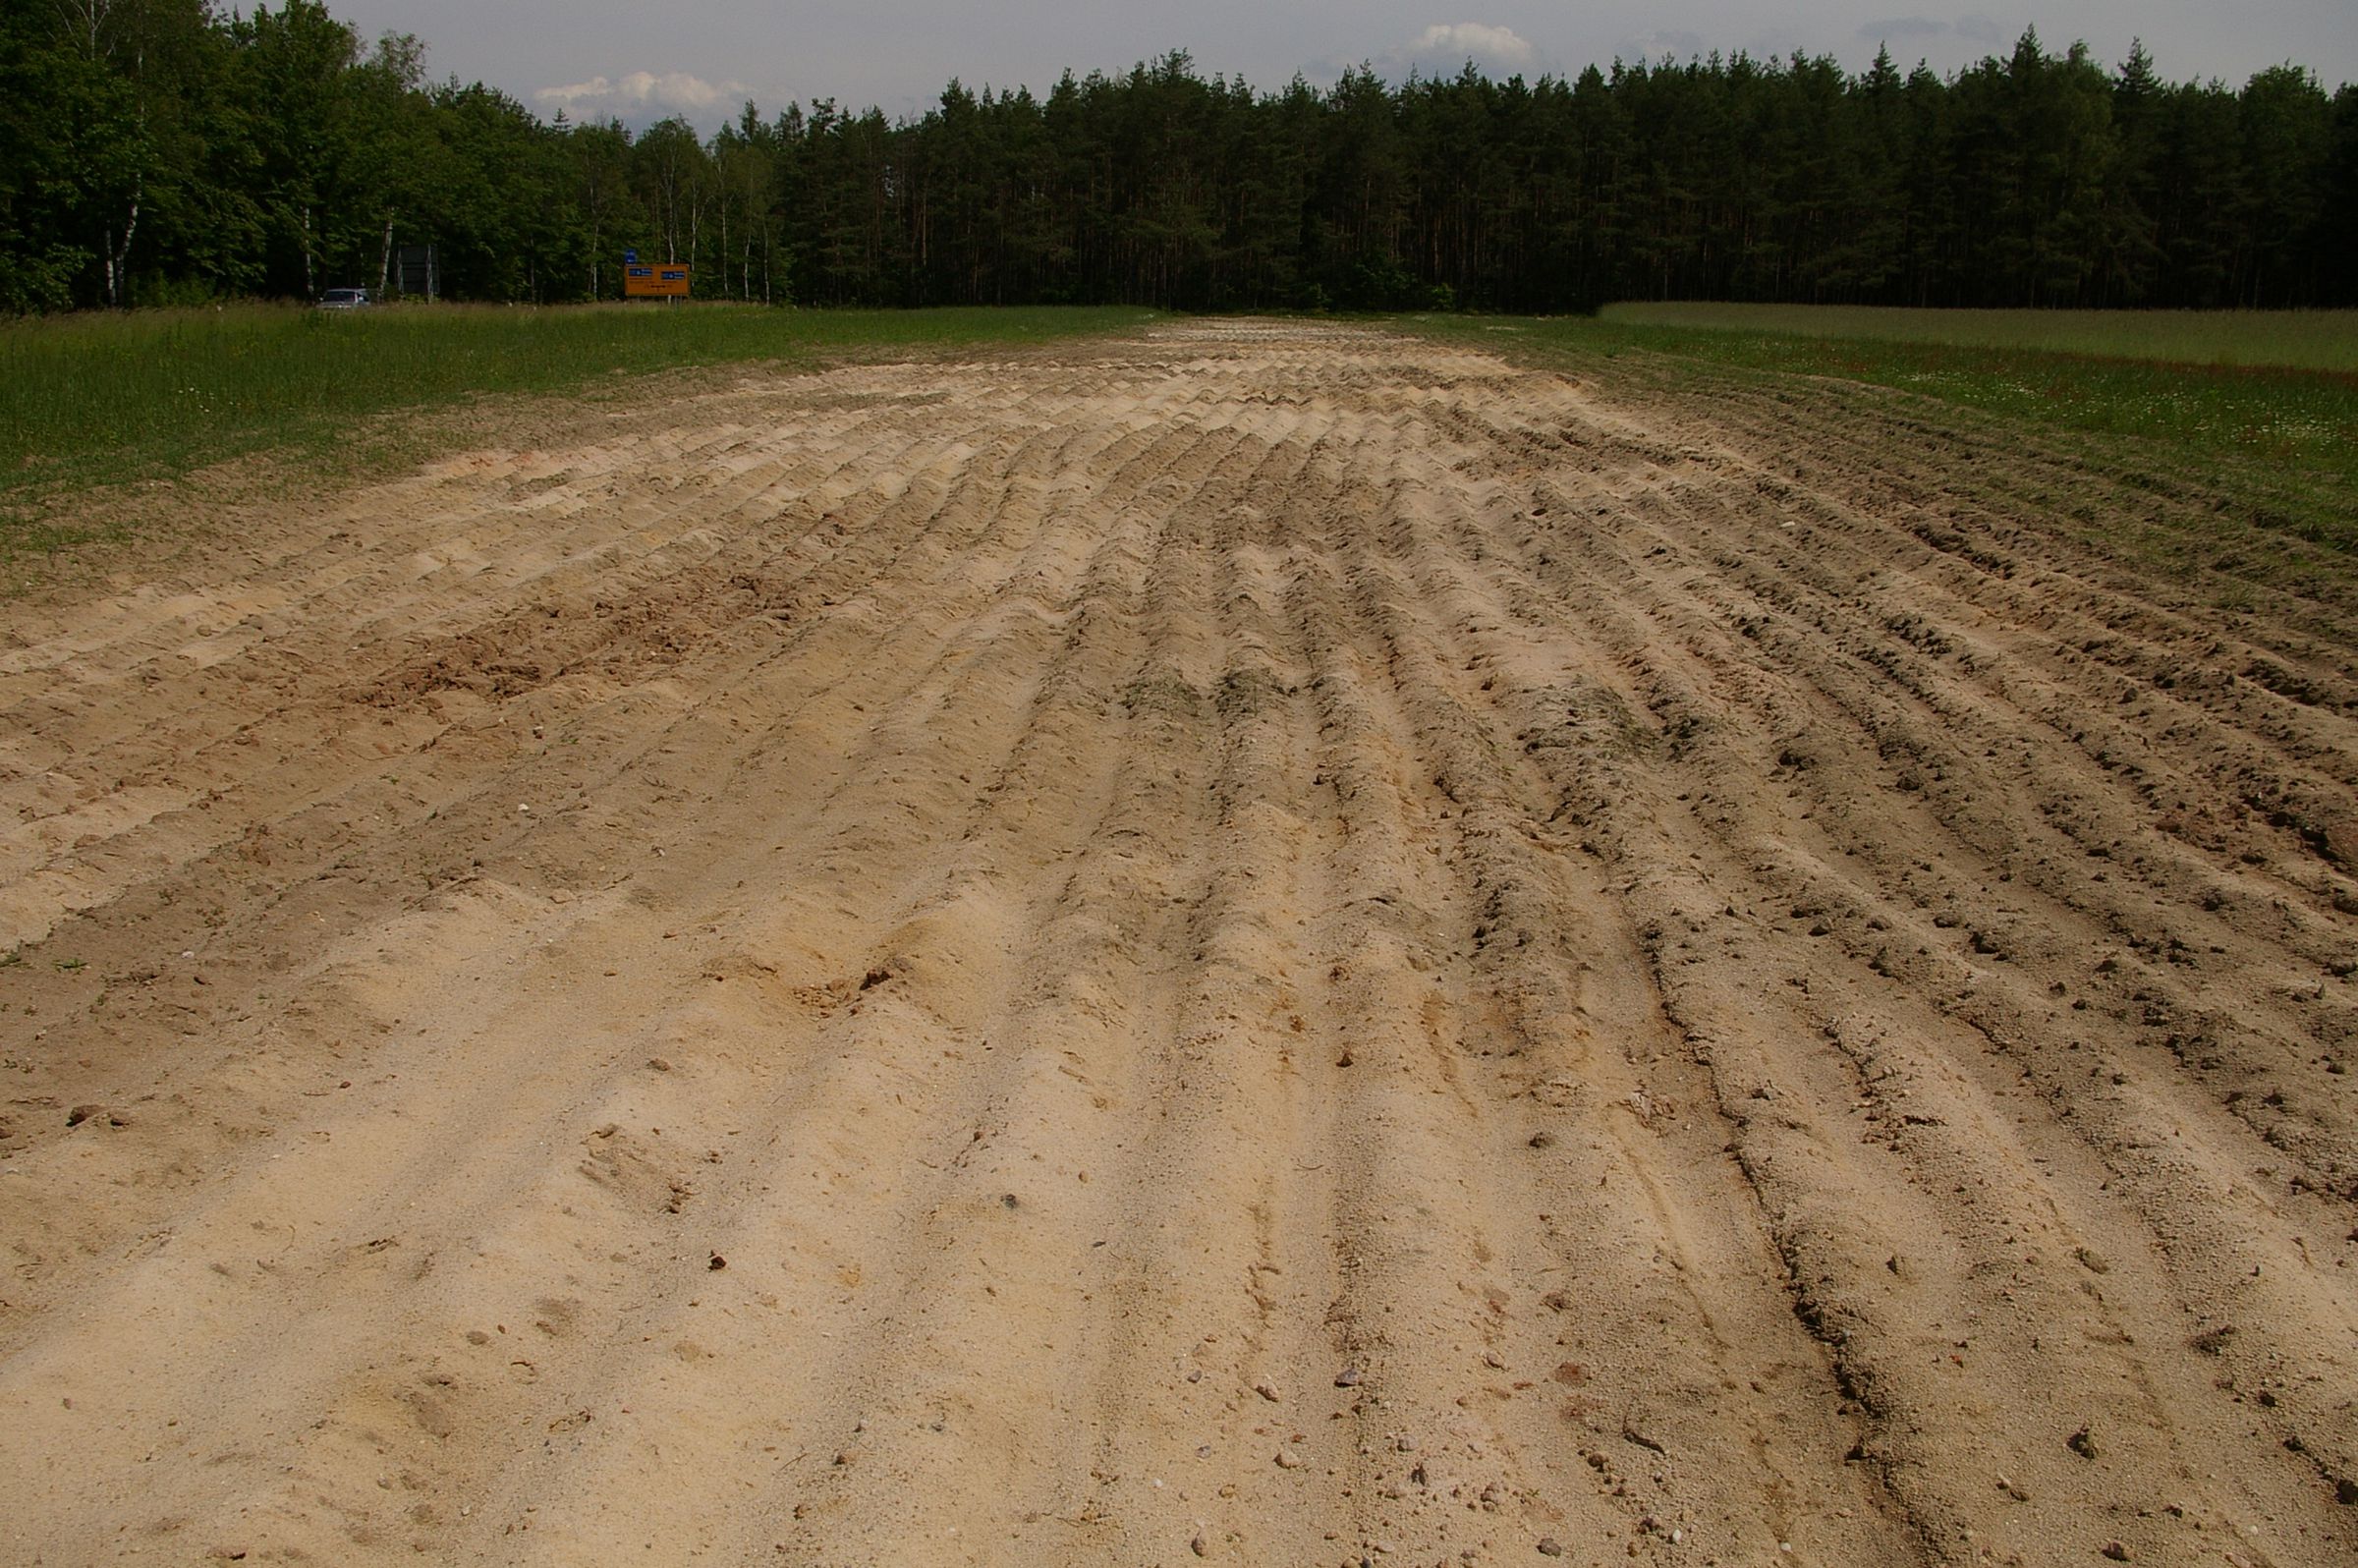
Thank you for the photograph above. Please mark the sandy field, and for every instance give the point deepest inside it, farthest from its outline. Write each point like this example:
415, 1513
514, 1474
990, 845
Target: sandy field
1267, 944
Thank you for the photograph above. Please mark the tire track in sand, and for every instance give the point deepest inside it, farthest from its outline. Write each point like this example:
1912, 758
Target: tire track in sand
1269, 944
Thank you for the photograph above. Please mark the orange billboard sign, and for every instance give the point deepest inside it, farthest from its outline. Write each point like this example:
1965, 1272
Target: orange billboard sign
639, 280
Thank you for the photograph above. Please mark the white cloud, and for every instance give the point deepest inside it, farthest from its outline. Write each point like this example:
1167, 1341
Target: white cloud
1672, 43
645, 94
1445, 46
1473, 39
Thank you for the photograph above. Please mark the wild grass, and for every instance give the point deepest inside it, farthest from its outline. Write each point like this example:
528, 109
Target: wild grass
2301, 419
108, 400
2304, 340
2284, 439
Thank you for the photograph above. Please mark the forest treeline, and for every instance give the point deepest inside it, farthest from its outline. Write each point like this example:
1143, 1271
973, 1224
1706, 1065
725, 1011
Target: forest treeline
157, 151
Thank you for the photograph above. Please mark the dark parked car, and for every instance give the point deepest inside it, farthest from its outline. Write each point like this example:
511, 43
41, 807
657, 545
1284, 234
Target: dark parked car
344, 300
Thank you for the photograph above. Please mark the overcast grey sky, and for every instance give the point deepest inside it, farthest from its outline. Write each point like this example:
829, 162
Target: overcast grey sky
642, 59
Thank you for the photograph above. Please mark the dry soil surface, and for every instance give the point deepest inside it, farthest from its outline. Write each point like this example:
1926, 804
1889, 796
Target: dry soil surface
1268, 943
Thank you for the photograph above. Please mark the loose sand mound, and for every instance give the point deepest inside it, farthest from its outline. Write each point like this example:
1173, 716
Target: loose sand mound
1270, 943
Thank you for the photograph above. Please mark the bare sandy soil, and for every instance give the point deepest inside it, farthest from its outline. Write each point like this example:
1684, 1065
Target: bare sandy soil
1270, 943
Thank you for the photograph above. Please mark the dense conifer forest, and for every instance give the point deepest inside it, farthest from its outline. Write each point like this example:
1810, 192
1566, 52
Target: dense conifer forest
161, 152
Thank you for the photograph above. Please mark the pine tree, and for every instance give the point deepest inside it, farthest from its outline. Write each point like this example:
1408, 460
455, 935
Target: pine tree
160, 151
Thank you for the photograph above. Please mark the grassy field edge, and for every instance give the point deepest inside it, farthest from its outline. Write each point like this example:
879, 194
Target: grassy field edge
96, 406
2278, 448
2265, 340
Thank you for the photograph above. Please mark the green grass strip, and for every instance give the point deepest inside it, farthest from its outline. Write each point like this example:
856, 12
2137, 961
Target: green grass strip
106, 400
2299, 422
2278, 447
2292, 340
